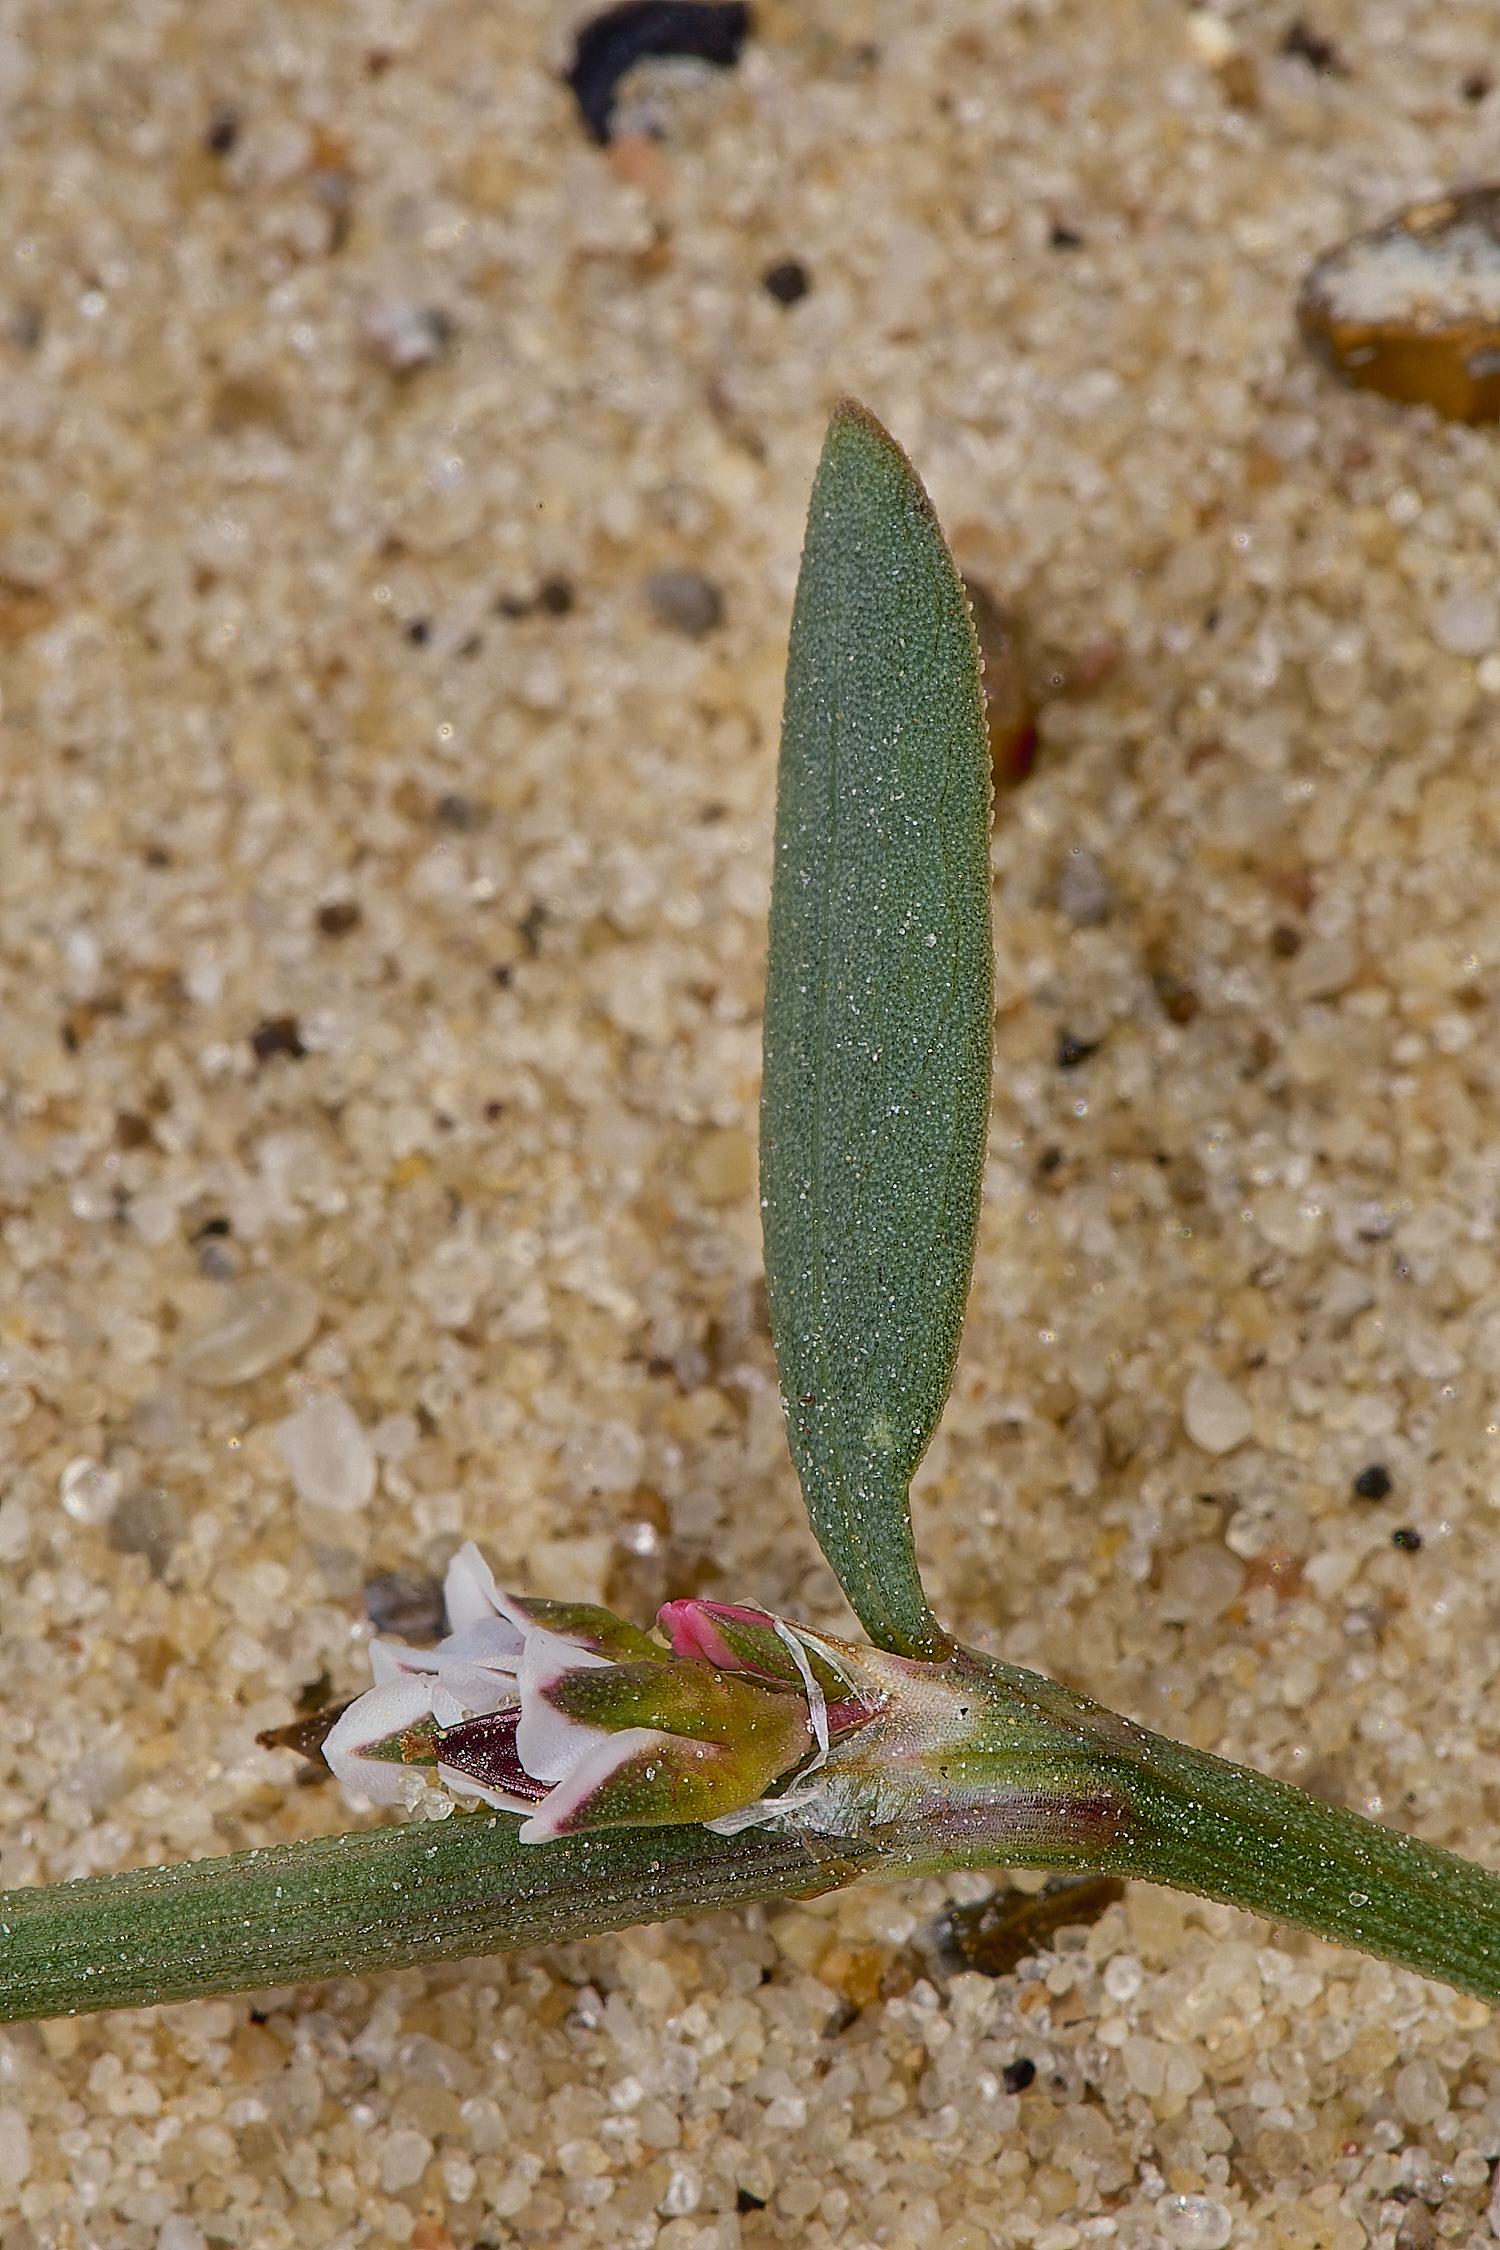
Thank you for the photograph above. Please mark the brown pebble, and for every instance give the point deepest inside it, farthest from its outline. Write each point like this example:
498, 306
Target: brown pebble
244, 402
339, 917
640, 162
1010, 704
1179, 1001
1277, 1568
1239, 81
1412, 307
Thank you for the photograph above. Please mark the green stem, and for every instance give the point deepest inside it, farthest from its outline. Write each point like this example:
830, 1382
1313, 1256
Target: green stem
1045, 1778
1180, 1817
381, 1898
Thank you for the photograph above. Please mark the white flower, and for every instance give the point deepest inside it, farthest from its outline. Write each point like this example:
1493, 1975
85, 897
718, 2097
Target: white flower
567, 1714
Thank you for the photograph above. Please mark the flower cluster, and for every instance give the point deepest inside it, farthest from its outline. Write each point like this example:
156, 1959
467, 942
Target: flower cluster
565, 1713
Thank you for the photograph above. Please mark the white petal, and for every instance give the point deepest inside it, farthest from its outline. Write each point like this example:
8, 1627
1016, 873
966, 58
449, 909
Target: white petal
469, 1588
548, 1744
547, 1656
611, 1751
393, 1660
489, 1640
490, 1643
467, 1691
385, 1711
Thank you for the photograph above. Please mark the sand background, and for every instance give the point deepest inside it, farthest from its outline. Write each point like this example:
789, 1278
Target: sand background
336, 713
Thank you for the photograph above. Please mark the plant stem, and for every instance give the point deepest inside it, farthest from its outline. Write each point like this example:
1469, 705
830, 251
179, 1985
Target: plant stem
1197, 1823
1052, 1780
381, 1898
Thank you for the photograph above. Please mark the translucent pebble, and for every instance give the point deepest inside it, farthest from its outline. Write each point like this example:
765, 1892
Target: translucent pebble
179, 2233
1200, 1582
89, 1491
406, 336
1123, 1977
1467, 623
1421, 2094
1083, 892
1145, 2063
404, 2159
1323, 968
1214, 1414
1193, 2222
263, 1320
15, 2147
329, 1455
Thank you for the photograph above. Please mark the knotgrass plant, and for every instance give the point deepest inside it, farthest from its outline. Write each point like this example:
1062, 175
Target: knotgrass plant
733, 1757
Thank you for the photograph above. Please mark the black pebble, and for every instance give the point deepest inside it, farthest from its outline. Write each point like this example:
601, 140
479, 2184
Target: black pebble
616, 41
1373, 1483
419, 632
1406, 1539
223, 132
1017, 2076
1071, 1052
1063, 238
786, 282
745, 2201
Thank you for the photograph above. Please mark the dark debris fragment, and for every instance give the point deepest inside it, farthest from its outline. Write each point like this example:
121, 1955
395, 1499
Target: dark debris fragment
278, 1035
1071, 1051
223, 132
637, 30
339, 917
307, 1736
1320, 55
997, 1932
406, 1603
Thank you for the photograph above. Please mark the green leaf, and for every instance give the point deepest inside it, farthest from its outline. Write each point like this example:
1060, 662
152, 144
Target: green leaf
879, 1001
